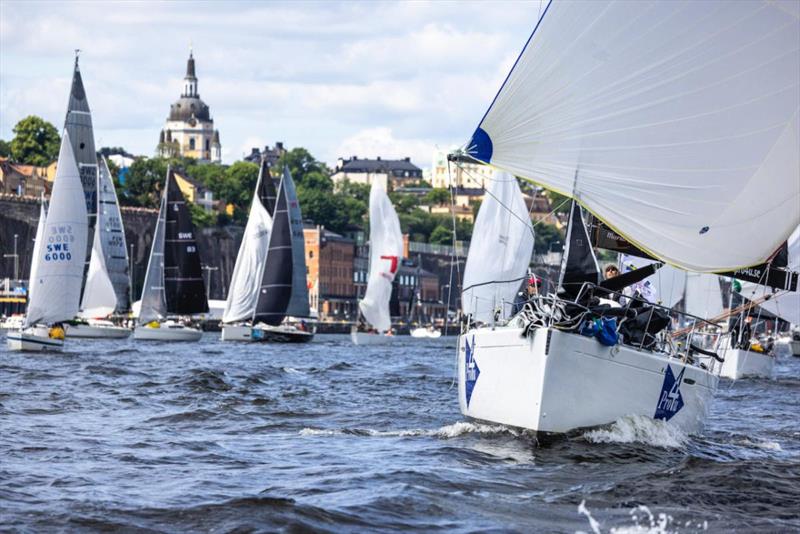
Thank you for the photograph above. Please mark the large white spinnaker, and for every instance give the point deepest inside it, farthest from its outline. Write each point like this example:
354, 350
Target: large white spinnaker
385, 254
784, 304
57, 266
703, 295
676, 123
500, 250
246, 279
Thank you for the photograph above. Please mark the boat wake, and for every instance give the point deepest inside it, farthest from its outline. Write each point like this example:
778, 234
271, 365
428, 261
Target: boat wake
446, 432
640, 429
644, 522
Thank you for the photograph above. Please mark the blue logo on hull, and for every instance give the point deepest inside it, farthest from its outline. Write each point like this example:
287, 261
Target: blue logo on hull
471, 369
670, 401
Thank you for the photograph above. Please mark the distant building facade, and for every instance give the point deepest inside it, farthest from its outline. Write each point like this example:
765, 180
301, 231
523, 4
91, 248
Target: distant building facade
25, 180
466, 175
329, 264
189, 129
392, 173
272, 155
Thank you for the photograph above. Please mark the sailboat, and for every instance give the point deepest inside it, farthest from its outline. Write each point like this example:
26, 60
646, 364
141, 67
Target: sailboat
56, 274
173, 285
385, 255
268, 296
107, 287
667, 121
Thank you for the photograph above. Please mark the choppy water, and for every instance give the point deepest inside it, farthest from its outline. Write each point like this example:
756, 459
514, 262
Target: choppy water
332, 437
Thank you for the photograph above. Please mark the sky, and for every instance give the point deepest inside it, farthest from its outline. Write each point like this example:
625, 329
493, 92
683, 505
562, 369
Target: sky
390, 79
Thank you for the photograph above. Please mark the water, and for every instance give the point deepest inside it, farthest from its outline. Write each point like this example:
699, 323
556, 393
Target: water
332, 437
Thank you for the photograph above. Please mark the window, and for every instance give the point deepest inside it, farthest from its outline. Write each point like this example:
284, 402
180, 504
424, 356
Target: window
191, 143
310, 254
208, 143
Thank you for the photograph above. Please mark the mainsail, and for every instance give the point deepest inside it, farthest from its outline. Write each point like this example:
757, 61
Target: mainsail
298, 304
247, 272
678, 124
276, 282
57, 266
385, 254
78, 124
112, 237
500, 251
184, 287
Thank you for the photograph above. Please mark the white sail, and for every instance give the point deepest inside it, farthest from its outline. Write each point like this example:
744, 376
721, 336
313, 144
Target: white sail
154, 301
38, 243
59, 260
784, 304
385, 255
703, 295
99, 297
500, 250
246, 279
676, 123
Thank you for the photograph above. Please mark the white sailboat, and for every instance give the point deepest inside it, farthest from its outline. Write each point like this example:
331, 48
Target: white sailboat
57, 266
268, 296
174, 289
100, 294
665, 120
385, 255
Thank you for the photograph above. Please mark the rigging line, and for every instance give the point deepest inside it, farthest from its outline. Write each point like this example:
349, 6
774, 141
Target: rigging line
453, 259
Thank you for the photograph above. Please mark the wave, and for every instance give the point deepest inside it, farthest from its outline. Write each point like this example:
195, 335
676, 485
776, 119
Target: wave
644, 522
446, 432
640, 429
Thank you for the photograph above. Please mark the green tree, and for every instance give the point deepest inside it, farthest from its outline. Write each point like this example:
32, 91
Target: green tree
36, 142
317, 180
437, 197
354, 190
144, 183
5, 149
547, 236
441, 236
559, 202
300, 163
200, 217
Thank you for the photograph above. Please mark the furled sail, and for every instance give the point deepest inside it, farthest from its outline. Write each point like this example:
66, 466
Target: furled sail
385, 254
184, 287
59, 260
154, 303
38, 243
500, 250
676, 123
78, 124
246, 280
298, 304
112, 237
276, 281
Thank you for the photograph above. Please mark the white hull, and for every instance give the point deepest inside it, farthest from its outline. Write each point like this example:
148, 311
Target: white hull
367, 338
90, 331
795, 346
424, 333
36, 339
265, 333
555, 382
746, 364
167, 333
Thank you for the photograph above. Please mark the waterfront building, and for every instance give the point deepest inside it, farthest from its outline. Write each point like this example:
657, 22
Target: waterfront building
392, 173
462, 175
329, 264
189, 129
24, 180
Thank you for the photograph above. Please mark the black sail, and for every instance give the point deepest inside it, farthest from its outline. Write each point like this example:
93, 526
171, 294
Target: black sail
266, 189
276, 281
183, 277
579, 264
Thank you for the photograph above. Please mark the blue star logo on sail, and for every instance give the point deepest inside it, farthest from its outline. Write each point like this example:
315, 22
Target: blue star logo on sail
471, 369
670, 401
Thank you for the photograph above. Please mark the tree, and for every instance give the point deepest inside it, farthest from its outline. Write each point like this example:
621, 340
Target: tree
437, 197
317, 180
354, 190
5, 149
559, 203
441, 236
300, 163
546, 236
144, 183
36, 142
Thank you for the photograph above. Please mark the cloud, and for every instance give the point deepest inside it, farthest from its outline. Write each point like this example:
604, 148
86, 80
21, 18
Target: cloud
380, 141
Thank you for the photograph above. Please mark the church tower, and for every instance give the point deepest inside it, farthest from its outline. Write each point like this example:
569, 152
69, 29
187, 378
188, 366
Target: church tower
189, 129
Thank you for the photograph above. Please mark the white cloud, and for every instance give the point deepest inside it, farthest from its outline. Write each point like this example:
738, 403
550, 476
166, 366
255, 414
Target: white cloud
380, 141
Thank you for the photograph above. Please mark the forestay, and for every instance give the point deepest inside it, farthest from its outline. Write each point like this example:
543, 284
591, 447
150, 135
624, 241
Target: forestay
246, 279
385, 254
674, 122
59, 260
500, 250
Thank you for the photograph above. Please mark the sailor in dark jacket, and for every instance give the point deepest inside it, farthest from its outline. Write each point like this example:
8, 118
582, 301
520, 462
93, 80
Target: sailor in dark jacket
529, 289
